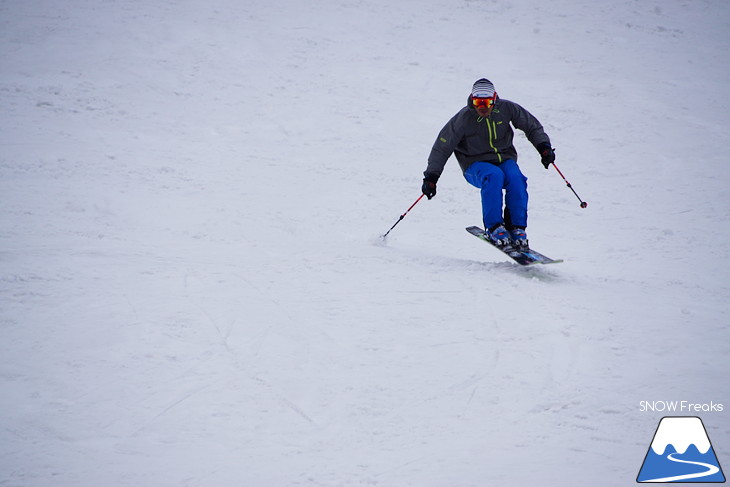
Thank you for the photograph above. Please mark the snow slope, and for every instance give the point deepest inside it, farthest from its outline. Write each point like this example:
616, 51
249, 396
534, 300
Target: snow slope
192, 287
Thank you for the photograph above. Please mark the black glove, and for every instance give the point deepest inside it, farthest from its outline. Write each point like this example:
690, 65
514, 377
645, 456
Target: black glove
429, 186
547, 153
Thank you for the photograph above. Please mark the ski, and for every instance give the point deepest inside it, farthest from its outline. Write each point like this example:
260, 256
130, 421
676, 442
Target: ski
522, 257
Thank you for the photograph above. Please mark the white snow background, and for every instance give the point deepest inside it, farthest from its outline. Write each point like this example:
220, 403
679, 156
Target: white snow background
193, 291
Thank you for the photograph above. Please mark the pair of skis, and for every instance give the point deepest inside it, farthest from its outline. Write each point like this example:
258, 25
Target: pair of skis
522, 257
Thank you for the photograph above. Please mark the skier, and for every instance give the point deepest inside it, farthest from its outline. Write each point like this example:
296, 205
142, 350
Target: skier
481, 137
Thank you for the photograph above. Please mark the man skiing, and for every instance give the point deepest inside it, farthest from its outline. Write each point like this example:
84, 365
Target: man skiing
481, 136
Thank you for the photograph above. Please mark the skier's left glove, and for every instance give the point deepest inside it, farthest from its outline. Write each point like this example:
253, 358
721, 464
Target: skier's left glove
547, 153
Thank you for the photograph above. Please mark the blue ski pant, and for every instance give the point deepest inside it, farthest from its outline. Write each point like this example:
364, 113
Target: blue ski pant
491, 180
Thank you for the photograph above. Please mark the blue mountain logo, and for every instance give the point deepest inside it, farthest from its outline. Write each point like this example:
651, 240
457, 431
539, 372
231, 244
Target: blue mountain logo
681, 452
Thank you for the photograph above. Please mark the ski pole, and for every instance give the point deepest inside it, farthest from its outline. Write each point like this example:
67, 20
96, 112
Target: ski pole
583, 204
403, 215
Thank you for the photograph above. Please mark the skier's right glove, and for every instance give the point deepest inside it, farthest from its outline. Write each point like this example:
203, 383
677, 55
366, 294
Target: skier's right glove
429, 186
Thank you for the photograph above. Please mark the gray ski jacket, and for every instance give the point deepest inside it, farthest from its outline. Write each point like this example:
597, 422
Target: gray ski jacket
473, 138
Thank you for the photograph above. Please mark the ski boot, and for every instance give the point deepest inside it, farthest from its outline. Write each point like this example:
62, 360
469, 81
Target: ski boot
500, 236
519, 238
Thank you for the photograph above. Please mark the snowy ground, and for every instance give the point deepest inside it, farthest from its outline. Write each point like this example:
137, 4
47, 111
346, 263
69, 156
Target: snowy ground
192, 287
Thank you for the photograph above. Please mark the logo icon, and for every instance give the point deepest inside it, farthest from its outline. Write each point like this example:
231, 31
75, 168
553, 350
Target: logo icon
681, 452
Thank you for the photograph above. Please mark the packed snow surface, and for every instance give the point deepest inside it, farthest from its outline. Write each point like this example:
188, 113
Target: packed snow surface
193, 287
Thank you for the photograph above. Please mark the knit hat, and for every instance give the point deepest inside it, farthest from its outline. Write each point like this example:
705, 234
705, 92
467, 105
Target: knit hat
483, 88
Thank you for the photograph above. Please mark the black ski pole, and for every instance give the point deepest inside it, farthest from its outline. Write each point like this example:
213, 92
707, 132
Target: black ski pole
583, 204
403, 216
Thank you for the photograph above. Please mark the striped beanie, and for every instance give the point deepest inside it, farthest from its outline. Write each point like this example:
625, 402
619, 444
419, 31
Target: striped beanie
483, 88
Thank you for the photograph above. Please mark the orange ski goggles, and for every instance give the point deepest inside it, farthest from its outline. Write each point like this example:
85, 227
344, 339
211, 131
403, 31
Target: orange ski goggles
483, 102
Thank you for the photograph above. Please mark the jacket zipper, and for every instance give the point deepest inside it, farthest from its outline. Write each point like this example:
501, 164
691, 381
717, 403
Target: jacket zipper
492, 128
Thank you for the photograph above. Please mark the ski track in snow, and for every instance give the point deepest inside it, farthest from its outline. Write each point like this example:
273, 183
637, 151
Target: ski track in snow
193, 290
